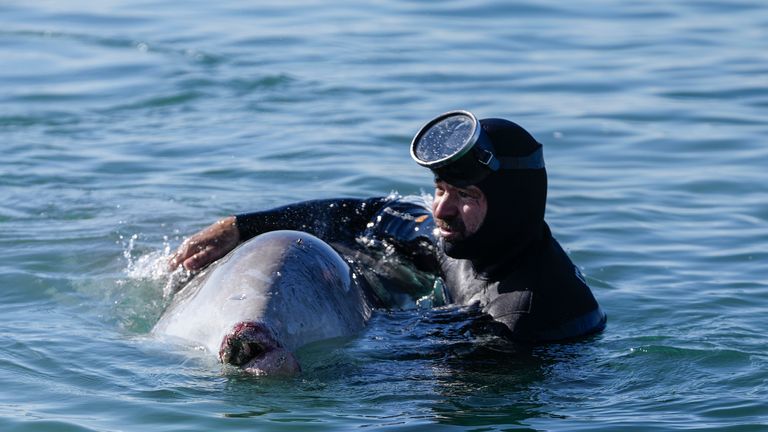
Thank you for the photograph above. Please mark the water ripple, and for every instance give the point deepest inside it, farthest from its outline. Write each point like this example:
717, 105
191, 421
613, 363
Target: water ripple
126, 126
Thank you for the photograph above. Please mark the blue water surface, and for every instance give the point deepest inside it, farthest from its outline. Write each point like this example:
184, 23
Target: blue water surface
126, 126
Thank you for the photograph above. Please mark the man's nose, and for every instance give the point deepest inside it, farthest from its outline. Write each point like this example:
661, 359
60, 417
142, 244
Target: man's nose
445, 207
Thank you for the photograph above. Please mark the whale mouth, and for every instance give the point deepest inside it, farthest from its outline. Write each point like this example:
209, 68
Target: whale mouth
253, 347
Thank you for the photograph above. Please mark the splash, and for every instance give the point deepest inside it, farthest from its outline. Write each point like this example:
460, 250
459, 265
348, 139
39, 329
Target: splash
153, 266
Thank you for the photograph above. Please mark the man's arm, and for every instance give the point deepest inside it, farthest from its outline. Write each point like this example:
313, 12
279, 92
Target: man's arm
333, 220
207, 245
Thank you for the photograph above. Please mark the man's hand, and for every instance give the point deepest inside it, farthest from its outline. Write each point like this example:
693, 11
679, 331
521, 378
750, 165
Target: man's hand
207, 246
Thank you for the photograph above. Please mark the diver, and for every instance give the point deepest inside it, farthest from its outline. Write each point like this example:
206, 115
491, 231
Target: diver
484, 236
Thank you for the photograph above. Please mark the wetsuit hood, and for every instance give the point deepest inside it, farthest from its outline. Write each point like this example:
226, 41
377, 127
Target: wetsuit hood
516, 203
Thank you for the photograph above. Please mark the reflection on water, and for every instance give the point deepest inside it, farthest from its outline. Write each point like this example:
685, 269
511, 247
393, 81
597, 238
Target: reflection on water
126, 126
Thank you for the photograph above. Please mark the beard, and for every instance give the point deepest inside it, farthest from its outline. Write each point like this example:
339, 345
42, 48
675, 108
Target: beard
457, 249
460, 247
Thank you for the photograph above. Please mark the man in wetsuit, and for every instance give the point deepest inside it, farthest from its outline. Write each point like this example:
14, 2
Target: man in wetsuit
485, 235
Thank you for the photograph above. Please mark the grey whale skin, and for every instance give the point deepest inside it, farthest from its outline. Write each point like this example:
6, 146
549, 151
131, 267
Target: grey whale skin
265, 299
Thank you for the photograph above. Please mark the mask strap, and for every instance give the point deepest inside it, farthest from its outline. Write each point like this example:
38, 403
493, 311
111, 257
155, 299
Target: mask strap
534, 160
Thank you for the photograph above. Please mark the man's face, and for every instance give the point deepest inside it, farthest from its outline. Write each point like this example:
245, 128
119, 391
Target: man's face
458, 212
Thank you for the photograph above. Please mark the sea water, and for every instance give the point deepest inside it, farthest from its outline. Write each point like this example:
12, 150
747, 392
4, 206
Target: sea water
126, 126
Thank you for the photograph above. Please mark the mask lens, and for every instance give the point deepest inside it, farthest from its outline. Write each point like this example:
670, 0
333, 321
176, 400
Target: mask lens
446, 138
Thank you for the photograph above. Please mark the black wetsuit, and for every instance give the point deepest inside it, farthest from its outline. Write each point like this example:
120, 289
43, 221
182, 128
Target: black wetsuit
536, 295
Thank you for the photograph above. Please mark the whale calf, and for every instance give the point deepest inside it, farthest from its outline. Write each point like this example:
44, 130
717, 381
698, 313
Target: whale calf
265, 299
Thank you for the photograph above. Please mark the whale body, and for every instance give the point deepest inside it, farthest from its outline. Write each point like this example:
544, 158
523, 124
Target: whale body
265, 299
